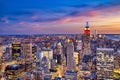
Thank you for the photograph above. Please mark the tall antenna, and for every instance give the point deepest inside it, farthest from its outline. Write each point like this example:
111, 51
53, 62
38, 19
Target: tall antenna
87, 24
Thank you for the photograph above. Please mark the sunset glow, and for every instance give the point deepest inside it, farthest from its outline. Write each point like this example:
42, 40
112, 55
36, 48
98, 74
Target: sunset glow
59, 16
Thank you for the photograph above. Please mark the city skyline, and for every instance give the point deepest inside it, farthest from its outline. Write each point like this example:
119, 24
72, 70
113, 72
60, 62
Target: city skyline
56, 17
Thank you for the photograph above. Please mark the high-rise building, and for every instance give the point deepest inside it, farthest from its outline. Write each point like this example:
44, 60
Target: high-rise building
105, 63
34, 52
59, 53
95, 34
48, 53
86, 54
59, 48
27, 54
76, 57
39, 74
1, 50
27, 50
16, 50
34, 49
59, 59
79, 45
86, 39
70, 57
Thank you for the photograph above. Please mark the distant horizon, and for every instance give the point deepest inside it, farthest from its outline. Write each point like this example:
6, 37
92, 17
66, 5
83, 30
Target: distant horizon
57, 34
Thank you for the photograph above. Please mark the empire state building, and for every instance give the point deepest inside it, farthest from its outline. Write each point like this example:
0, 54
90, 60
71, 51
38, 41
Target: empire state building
86, 40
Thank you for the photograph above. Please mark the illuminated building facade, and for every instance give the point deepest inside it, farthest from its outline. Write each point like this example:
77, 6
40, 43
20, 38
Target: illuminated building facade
27, 54
59, 53
16, 50
1, 50
87, 40
105, 63
34, 52
39, 74
27, 49
70, 58
59, 48
86, 56
48, 53
76, 57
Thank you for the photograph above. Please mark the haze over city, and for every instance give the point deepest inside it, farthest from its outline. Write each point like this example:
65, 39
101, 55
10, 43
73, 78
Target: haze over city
59, 39
59, 16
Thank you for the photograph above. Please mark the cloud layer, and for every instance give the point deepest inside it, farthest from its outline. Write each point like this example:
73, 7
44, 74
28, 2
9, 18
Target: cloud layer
64, 16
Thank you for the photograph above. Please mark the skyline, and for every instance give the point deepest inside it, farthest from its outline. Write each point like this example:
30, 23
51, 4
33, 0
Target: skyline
59, 17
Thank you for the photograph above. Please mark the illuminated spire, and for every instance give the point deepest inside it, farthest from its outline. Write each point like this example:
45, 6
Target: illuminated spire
87, 25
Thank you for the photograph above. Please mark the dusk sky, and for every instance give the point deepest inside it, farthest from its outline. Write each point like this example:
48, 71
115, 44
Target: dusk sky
59, 16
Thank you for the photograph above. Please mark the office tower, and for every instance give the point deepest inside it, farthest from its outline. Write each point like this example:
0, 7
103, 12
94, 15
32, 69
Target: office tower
34, 52
86, 47
7, 49
48, 53
47, 45
59, 48
79, 50
53, 62
86, 40
86, 56
1, 50
27, 54
76, 57
105, 63
59, 59
27, 50
39, 74
79, 45
44, 64
95, 34
70, 58
45, 68
59, 53
117, 59
34, 49
117, 64
1, 54
16, 50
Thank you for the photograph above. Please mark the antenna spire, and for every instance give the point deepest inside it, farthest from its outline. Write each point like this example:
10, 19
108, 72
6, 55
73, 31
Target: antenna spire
87, 24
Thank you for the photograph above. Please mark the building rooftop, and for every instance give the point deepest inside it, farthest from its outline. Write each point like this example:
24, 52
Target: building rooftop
14, 67
105, 49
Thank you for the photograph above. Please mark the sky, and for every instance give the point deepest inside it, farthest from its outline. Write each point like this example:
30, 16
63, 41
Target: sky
59, 16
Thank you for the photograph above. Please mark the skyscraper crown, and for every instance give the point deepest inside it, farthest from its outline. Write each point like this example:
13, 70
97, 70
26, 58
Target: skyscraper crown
87, 25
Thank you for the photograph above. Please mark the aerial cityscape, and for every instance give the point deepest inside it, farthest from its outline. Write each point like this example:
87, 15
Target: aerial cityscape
60, 40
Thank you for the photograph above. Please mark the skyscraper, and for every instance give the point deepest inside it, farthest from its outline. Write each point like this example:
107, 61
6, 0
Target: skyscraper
86, 39
48, 53
105, 65
70, 58
16, 50
27, 49
59, 48
39, 74
86, 46
95, 34
86, 57
59, 53
1, 50
27, 53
